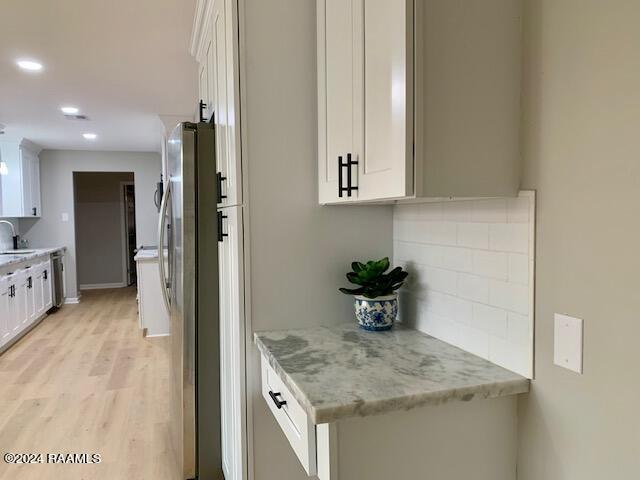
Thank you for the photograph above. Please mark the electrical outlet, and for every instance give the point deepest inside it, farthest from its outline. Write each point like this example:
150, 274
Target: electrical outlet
568, 342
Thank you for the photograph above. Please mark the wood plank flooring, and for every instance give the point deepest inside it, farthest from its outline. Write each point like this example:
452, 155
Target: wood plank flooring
85, 381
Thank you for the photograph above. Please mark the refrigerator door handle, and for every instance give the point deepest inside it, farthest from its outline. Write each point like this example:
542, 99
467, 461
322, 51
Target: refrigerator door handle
161, 234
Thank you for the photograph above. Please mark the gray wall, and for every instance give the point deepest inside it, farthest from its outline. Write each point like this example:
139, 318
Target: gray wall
99, 227
582, 154
299, 251
56, 185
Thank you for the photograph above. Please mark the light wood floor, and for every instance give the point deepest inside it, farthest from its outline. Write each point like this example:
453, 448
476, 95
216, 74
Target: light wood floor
85, 381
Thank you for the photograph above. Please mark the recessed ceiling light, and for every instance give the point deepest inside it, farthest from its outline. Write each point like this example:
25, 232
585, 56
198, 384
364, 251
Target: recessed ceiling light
29, 65
90, 136
70, 110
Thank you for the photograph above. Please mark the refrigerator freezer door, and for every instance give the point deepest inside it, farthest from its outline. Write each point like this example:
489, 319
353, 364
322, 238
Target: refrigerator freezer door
181, 279
192, 275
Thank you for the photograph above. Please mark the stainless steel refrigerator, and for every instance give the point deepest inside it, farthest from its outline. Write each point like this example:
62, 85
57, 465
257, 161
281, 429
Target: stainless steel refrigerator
188, 262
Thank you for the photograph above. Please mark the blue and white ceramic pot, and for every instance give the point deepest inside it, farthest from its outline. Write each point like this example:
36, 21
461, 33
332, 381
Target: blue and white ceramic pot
376, 313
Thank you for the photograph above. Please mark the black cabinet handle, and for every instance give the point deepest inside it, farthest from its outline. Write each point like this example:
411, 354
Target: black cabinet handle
29, 282
219, 180
202, 107
341, 165
274, 397
350, 163
34, 211
221, 233
45, 275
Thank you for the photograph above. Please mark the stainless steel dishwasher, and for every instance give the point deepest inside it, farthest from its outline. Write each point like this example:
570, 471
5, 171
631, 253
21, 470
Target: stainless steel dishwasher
58, 281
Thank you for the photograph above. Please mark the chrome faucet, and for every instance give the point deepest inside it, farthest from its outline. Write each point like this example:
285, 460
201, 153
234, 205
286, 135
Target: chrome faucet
13, 233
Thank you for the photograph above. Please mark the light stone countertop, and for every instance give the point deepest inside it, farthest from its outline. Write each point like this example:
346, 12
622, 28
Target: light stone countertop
146, 254
343, 371
15, 258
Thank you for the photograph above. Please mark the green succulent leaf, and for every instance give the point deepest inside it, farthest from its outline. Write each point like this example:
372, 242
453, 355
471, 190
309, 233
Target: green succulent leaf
373, 280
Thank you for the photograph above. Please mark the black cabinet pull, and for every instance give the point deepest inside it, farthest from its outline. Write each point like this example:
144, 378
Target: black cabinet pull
219, 180
350, 163
202, 107
29, 282
34, 211
45, 275
221, 233
274, 397
341, 165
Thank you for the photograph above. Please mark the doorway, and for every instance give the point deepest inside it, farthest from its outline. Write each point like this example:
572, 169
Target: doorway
105, 229
129, 231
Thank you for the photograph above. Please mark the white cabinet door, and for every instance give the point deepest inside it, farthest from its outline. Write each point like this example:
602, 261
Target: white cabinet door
386, 164
6, 312
12, 187
204, 80
35, 187
26, 299
223, 90
21, 185
47, 287
38, 286
21, 300
13, 319
340, 97
232, 335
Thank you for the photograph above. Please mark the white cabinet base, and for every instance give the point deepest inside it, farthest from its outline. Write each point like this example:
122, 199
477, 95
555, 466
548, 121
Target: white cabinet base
153, 315
476, 439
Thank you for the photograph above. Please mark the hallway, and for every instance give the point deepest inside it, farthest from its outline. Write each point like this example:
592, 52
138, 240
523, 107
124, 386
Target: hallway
85, 381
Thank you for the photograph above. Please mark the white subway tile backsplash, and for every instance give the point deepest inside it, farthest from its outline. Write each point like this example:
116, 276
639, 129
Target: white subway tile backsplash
490, 264
419, 231
470, 264
473, 340
473, 235
518, 329
473, 287
490, 319
439, 279
509, 237
511, 356
519, 268
490, 211
456, 211
510, 296
464, 312
518, 209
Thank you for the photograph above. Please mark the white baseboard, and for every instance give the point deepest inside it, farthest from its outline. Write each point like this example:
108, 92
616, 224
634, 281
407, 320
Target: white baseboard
71, 300
99, 286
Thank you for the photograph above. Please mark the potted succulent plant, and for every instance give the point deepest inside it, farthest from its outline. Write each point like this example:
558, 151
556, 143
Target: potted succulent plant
376, 298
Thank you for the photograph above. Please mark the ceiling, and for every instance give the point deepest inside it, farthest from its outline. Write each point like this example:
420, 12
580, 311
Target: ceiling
122, 62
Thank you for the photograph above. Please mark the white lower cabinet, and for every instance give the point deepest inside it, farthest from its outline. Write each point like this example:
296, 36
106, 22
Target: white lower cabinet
25, 297
232, 334
152, 313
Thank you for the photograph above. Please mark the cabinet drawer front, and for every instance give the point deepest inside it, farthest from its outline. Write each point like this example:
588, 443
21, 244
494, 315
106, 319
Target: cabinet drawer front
292, 419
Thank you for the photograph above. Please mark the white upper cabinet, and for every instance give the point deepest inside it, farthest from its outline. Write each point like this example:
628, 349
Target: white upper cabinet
20, 181
418, 99
215, 46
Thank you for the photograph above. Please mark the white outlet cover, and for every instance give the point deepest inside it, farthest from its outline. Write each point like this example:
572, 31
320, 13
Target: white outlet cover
568, 342
65, 217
